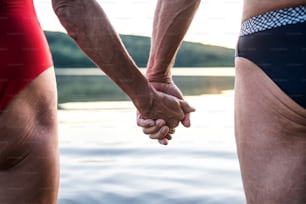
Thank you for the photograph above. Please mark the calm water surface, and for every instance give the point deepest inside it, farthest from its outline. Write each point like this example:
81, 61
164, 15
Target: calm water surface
106, 159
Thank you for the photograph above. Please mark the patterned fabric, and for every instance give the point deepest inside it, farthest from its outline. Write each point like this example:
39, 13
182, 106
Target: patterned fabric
273, 19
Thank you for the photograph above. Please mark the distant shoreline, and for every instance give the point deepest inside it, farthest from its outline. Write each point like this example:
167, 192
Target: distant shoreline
185, 71
91, 84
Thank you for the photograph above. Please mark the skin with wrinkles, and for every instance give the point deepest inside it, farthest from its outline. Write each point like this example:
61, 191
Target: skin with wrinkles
270, 131
270, 127
29, 162
272, 159
95, 35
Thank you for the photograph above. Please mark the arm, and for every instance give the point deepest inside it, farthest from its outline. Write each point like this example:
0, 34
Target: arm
171, 22
86, 23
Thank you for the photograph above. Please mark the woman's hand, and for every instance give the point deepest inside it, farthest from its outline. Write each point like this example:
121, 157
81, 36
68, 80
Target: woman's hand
156, 129
160, 129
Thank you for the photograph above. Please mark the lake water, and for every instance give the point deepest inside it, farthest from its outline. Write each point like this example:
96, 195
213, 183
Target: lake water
106, 159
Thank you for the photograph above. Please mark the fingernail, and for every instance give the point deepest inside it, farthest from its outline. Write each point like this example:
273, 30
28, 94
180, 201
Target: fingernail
160, 123
163, 142
165, 130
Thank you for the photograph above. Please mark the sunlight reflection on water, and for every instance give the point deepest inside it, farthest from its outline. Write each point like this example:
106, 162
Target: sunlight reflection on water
105, 157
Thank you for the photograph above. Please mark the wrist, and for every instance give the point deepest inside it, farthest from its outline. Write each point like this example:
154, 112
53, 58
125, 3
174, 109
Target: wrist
144, 99
159, 71
160, 76
159, 79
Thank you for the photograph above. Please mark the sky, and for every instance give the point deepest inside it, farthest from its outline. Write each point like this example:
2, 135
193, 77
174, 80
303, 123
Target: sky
216, 22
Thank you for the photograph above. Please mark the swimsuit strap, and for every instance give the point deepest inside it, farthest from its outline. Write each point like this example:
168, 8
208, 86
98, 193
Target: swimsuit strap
273, 19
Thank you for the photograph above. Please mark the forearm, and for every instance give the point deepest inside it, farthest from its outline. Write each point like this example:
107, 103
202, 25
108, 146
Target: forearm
171, 22
86, 23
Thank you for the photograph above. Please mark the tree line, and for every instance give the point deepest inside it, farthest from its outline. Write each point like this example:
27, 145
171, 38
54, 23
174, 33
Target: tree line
66, 53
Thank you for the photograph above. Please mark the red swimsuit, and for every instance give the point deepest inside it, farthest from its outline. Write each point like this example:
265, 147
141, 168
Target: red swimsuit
24, 52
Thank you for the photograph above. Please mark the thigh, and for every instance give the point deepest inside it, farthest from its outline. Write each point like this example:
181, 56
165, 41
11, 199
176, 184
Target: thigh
271, 138
29, 169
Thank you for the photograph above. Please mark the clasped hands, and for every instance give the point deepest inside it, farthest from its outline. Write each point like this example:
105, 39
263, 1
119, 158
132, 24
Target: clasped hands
167, 110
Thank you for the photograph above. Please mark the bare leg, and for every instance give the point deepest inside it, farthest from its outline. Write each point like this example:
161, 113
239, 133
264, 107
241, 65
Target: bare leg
29, 170
271, 139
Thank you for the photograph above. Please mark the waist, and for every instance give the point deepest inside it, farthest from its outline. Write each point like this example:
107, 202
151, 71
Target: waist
273, 19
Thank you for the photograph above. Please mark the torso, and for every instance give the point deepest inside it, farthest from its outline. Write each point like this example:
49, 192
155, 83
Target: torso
255, 7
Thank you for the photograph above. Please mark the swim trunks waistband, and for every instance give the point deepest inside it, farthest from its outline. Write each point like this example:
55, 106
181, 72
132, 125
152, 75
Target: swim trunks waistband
273, 19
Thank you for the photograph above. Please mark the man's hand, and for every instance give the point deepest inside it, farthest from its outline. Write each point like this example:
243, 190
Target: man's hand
160, 129
173, 90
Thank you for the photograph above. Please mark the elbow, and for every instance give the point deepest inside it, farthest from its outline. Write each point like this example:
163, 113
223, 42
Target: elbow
65, 11
196, 3
193, 3
61, 9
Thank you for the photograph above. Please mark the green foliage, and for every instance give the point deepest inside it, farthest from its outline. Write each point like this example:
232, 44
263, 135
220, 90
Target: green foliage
67, 54
199, 55
138, 47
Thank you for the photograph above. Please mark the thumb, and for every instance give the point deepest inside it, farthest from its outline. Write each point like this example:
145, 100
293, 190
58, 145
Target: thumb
186, 107
187, 110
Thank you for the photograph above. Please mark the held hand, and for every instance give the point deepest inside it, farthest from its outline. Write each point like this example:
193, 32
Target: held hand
158, 129
173, 90
166, 107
